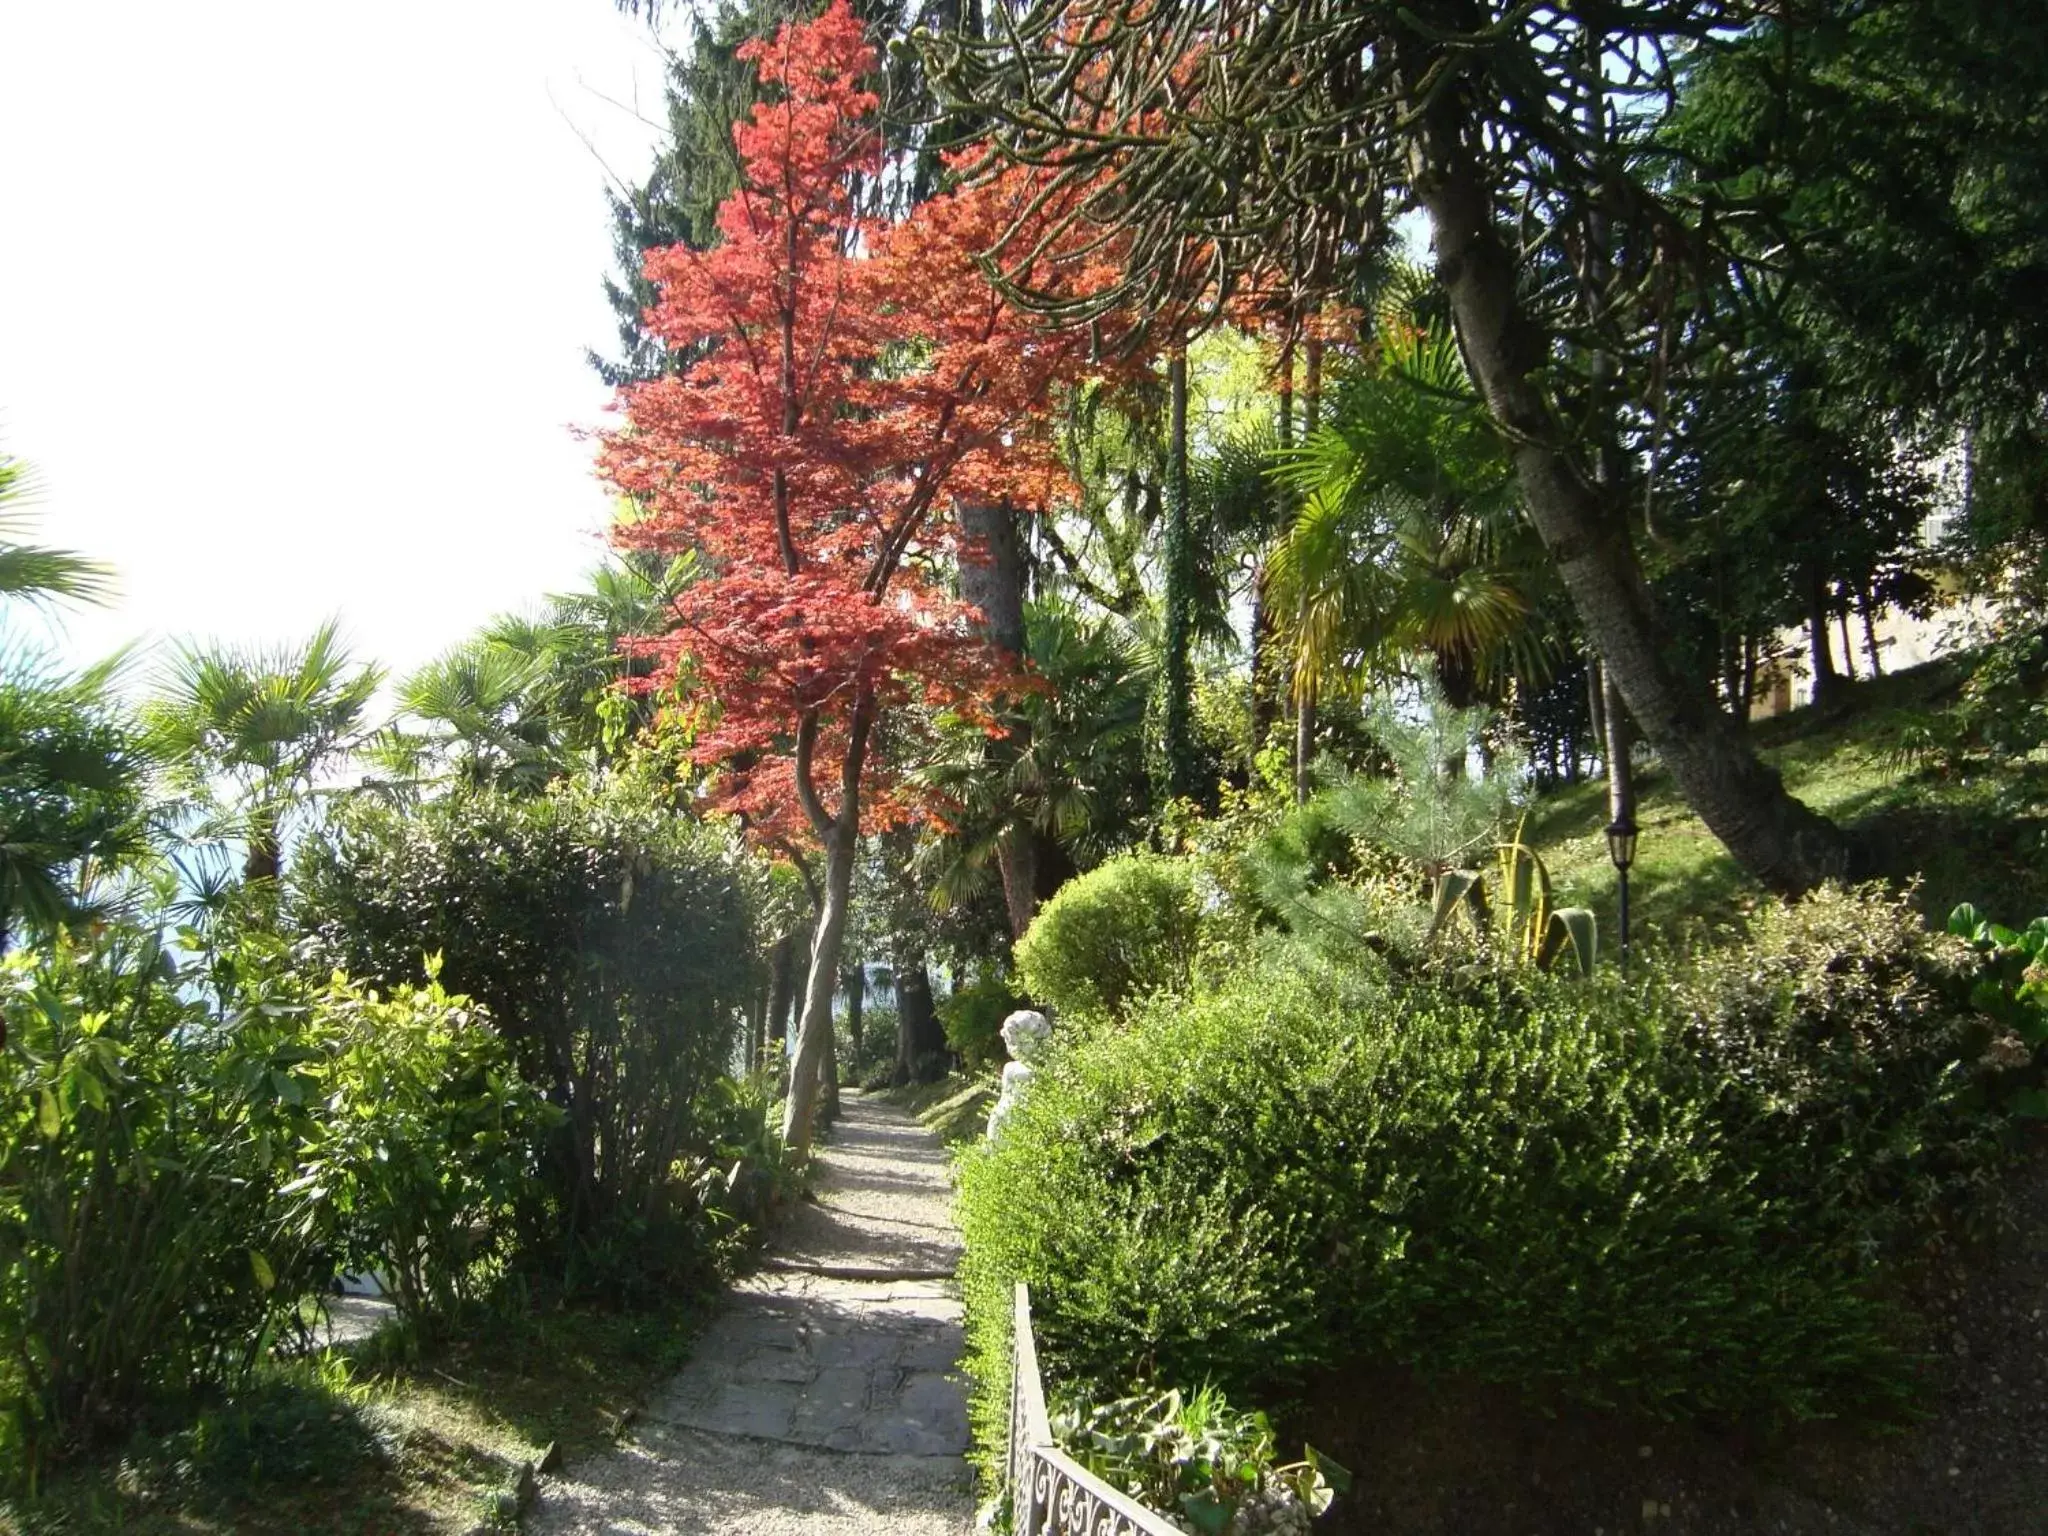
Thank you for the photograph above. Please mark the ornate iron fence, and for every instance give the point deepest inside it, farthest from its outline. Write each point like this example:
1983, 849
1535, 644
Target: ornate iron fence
1050, 1491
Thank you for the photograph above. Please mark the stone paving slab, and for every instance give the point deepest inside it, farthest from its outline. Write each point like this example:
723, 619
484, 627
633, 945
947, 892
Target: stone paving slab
679, 1482
812, 1404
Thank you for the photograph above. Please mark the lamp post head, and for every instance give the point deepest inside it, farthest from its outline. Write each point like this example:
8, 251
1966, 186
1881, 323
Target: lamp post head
1621, 842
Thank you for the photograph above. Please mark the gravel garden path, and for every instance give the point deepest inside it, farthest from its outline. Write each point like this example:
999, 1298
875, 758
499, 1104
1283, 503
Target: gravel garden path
822, 1401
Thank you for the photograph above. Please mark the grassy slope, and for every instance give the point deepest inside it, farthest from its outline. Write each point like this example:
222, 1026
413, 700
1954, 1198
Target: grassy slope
1973, 836
955, 1109
371, 1441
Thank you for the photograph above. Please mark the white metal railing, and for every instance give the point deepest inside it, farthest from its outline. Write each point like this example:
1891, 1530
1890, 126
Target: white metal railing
1049, 1490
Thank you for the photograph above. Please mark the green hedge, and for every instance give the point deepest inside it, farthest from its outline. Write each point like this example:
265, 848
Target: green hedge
1125, 929
611, 942
1675, 1195
180, 1166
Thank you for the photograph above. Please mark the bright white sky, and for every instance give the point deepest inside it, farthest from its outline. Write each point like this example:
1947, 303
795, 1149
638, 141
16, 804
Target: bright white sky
293, 303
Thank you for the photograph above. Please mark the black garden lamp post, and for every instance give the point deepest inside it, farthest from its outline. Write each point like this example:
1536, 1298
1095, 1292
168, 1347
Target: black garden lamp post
1621, 847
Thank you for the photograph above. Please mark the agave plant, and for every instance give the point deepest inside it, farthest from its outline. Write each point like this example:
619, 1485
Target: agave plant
1518, 914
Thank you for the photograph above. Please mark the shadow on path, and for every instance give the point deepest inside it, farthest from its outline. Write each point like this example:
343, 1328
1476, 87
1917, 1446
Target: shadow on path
813, 1404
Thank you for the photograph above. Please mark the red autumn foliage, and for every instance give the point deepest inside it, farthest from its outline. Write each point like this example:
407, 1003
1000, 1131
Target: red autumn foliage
848, 381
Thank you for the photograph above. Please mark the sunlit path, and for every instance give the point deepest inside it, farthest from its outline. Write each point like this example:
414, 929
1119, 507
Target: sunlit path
822, 1400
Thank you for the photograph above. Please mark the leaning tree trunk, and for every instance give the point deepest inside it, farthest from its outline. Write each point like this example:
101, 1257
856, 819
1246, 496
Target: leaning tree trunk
1743, 802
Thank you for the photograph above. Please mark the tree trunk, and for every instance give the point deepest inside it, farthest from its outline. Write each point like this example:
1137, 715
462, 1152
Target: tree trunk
919, 1035
1175, 675
261, 860
1621, 777
1731, 673
1269, 671
1848, 650
992, 579
1868, 608
828, 1079
1304, 748
855, 986
1265, 697
814, 1027
781, 992
1596, 704
1827, 682
1744, 803
1305, 710
992, 574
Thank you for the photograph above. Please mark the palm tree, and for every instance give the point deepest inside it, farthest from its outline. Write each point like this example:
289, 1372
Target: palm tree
1409, 539
72, 806
36, 573
521, 702
72, 773
1072, 776
484, 722
249, 734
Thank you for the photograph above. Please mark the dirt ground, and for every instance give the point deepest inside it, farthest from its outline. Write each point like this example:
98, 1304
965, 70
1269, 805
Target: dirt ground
1464, 1462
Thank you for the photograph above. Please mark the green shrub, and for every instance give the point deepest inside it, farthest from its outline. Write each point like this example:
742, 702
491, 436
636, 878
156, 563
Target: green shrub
1128, 928
1676, 1195
1845, 1052
147, 1242
1195, 1454
425, 1142
973, 1019
2011, 990
613, 944
186, 1152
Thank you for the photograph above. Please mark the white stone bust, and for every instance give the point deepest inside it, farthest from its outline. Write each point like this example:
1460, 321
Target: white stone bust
1023, 1033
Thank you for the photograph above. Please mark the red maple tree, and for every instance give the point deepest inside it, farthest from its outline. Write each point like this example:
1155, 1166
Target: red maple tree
848, 380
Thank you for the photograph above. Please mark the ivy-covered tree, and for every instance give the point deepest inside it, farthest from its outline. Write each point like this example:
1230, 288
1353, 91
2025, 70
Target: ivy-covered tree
1194, 135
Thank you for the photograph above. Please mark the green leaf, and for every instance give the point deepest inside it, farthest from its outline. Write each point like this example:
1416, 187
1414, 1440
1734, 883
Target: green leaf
48, 1120
1453, 887
1576, 929
1336, 1476
1964, 922
88, 1084
259, 1266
